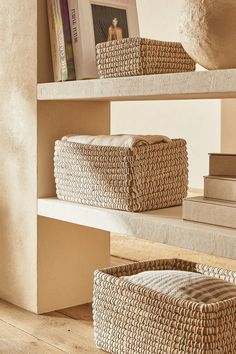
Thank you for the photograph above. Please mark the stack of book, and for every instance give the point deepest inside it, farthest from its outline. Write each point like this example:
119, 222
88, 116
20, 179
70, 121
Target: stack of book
61, 40
218, 205
77, 26
66, 42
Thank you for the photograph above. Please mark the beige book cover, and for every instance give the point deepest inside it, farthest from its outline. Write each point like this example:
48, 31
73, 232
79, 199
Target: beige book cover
223, 188
222, 165
208, 211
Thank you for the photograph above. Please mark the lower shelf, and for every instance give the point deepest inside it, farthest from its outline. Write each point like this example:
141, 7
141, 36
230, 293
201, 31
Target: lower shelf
164, 226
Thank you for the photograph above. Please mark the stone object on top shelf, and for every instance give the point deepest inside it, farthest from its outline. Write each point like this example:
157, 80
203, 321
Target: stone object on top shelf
207, 32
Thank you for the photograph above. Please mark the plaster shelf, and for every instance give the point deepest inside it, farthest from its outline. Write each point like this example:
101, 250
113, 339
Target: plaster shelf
164, 226
191, 85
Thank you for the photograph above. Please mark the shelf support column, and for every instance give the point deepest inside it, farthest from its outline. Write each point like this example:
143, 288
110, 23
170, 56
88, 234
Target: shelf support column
68, 254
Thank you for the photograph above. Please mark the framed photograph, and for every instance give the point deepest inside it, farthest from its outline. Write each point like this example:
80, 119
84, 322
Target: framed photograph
109, 23
96, 21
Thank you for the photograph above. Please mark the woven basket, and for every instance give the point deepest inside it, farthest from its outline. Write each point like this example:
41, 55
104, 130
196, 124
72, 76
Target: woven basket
139, 56
137, 179
132, 319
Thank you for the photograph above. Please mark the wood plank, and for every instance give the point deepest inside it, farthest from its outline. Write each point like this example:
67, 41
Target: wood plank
58, 330
82, 313
69, 331
139, 250
117, 261
163, 226
201, 84
13, 340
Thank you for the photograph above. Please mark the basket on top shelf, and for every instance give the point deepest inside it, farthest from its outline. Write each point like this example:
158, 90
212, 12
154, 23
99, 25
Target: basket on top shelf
133, 179
140, 56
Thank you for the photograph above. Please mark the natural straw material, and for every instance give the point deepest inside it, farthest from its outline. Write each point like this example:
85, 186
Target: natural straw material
131, 179
132, 319
139, 56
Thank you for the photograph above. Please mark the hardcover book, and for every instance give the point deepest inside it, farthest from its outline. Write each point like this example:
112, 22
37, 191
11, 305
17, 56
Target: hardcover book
67, 40
223, 188
222, 165
83, 69
215, 212
61, 43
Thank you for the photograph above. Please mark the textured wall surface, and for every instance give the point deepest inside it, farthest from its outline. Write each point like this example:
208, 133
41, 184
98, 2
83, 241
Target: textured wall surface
18, 242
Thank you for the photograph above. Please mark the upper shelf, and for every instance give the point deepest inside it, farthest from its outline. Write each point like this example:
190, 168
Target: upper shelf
191, 85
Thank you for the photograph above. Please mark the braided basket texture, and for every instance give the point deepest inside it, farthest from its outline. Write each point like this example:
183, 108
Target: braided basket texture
137, 179
139, 56
132, 319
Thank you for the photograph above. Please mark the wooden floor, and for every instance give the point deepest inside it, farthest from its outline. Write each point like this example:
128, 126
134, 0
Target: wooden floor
71, 331
67, 331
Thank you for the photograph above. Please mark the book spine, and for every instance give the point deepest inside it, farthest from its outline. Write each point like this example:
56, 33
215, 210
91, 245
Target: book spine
67, 39
57, 41
75, 34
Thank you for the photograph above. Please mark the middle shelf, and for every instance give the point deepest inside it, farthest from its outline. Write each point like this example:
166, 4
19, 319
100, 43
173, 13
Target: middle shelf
163, 225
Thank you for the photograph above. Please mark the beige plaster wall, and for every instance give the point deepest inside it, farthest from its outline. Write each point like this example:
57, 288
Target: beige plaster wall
18, 243
196, 121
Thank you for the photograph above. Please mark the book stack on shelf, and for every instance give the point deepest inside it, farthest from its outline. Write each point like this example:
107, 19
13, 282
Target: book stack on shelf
61, 40
76, 26
66, 42
218, 205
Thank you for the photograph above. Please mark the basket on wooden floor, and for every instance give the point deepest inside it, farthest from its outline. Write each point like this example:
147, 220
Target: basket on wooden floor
132, 319
131, 179
139, 56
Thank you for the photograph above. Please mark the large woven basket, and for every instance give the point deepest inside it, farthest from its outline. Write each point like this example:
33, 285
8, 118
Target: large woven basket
132, 319
137, 179
139, 56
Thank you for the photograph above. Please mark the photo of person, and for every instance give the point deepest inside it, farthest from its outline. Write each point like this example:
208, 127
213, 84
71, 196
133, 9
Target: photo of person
115, 32
110, 23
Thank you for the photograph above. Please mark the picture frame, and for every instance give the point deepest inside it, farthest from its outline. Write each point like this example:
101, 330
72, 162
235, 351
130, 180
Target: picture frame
94, 21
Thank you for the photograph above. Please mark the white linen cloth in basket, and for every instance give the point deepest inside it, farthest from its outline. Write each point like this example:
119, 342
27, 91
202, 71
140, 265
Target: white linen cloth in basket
122, 140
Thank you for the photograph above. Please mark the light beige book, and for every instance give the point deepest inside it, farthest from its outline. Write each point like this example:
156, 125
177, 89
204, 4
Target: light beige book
223, 188
222, 165
210, 211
